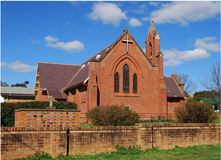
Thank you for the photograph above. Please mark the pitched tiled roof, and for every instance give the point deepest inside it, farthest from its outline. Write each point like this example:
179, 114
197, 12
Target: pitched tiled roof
173, 89
54, 77
83, 74
79, 77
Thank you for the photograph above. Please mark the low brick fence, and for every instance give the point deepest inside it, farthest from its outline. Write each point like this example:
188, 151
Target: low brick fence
17, 142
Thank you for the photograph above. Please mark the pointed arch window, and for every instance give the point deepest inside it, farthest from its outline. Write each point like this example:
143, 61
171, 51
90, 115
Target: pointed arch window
126, 79
135, 83
116, 82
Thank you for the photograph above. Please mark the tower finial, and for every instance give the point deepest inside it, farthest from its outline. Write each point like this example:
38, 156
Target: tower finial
152, 21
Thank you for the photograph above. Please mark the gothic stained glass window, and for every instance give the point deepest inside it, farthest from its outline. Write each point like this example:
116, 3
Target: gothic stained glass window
126, 79
135, 83
116, 82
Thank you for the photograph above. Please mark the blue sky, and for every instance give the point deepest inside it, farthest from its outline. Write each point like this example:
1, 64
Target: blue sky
72, 32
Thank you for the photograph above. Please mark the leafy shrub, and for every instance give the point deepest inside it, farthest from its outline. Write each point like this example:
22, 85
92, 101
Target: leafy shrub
8, 114
128, 150
112, 116
38, 156
195, 112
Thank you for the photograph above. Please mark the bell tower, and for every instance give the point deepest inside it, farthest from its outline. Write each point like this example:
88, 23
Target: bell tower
152, 44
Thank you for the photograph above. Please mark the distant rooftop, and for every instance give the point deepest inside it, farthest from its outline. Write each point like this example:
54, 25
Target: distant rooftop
17, 90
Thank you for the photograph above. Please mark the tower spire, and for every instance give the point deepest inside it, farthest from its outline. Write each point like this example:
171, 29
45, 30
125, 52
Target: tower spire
152, 43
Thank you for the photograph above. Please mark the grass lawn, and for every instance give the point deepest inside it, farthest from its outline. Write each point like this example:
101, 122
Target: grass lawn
86, 124
196, 152
217, 120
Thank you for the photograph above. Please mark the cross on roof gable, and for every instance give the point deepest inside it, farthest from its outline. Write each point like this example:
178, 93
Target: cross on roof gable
83, 73
110, 47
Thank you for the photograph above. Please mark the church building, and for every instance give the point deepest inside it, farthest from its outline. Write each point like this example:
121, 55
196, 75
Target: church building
121, 74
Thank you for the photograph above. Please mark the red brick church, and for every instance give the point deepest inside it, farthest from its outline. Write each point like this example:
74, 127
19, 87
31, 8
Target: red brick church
121, 74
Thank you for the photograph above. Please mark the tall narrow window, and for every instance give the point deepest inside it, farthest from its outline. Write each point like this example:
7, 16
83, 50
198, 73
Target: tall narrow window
116, 82
126, 79
135, 83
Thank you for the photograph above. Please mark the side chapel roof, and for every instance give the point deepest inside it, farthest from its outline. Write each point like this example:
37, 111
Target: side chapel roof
54, 77
173, 89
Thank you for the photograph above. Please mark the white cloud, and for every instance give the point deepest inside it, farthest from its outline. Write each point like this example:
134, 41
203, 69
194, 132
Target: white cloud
3, 64
185, 12
189, 55
170, 54
134, 22
207, 44
75, 3
196, 54
34, 42
109, 13
67, 23
176, 57
17, 66
6, 79
154, 3
172, 62
69, 46
140, 9
50, 39
145, 18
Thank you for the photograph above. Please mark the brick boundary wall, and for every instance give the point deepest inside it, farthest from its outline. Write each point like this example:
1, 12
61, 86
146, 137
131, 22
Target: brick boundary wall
18, 142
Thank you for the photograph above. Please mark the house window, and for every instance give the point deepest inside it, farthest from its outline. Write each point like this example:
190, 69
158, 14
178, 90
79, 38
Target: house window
135, 83
126, 79
116, 82
84, 93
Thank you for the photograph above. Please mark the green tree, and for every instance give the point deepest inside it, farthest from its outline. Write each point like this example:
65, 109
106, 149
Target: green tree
21, 84
4, 84
205, 94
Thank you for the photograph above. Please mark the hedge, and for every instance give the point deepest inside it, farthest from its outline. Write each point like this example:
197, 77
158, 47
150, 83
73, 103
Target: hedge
8, 114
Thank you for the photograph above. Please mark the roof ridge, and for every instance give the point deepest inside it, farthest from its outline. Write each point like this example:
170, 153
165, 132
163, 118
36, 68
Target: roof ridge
59, 64
114, 43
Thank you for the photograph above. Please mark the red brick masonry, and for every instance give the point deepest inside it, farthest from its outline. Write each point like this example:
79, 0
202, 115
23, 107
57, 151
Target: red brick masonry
51, 117
22, 142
